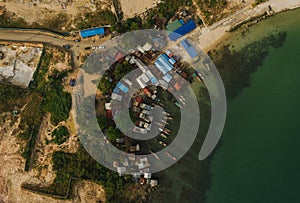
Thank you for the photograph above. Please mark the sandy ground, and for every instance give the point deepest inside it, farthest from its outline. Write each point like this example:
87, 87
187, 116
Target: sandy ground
12, 174
45, 9
87, 192
132, 8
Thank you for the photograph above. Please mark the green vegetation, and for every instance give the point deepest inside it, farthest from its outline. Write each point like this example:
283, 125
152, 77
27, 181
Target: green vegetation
57, 22
113, 134
42, 97
259, 1
118, 72
212, 9
104, 84
11, 20
39, 78
60, 135
167, 8
81, 166
11, 96
130, 24
162, 12
48, 95
102, 121
57, 101
95, 19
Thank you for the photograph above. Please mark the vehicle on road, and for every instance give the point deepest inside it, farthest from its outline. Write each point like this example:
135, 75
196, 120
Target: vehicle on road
98, 47
67, 46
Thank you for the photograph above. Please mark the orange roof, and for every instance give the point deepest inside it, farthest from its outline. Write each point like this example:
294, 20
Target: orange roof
146, 91
177, 86
119, 57
138, 99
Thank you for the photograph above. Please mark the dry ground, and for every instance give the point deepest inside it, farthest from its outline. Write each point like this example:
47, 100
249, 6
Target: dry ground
132, 8
12, 174
49, 9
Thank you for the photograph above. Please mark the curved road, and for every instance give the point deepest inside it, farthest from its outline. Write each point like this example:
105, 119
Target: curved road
35, 36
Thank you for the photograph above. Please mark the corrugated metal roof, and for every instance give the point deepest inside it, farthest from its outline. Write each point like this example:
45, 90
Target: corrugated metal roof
167, 78
122, 87
172, 61
189, 48
92, 32
174, 25
186, 28
160, 67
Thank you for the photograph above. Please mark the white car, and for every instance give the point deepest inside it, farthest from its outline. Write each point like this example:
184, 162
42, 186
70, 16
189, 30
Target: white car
98, 47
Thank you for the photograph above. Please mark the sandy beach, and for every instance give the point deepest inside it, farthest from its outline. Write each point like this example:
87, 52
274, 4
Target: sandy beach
208, 39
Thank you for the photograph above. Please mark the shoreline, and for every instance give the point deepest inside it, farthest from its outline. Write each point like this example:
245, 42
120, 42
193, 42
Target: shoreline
220, 31
280, 22
226, 40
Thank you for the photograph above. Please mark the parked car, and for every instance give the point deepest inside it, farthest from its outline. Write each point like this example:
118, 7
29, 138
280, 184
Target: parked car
67, 46
98, 47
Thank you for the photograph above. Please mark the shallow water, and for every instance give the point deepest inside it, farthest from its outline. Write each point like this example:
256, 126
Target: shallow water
258, 160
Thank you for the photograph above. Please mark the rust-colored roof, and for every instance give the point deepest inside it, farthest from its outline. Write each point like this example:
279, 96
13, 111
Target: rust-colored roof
119, 57
177, 86
146, 91
138, 99
109, 114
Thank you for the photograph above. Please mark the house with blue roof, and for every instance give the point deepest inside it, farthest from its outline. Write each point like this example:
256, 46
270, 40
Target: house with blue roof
92, 32
189, 48
163, 64
167, 78
122, 87
183, 30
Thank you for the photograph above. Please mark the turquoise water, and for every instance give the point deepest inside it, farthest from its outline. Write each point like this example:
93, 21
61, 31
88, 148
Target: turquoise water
259, 156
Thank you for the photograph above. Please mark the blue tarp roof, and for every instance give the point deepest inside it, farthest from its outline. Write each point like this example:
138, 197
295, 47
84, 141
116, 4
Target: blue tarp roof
122, 87
189, 48
161, 67
172, 61
184, 29
116, 90
92, 32
163, 64
153, 80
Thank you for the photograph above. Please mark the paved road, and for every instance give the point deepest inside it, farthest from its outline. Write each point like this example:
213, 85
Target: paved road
45, 37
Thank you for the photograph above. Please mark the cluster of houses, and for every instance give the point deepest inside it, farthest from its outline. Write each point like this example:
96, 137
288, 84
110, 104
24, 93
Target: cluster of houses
143, 112
163, 69
142, 175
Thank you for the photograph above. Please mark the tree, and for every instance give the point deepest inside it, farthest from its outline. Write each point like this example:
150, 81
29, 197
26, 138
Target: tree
104, 84
113, 133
